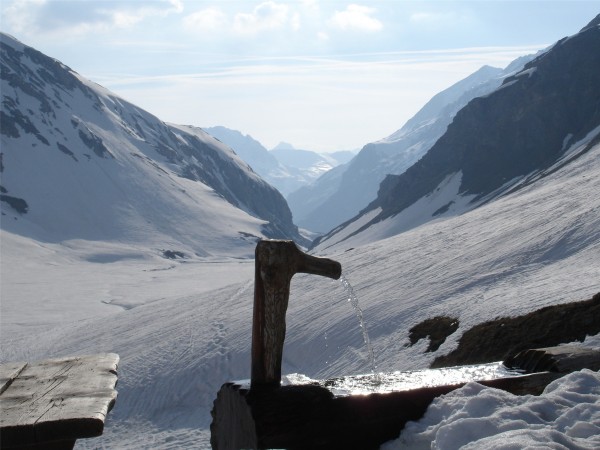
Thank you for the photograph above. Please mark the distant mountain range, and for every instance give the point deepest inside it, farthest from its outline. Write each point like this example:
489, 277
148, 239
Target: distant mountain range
79, 162
284, 167
536, 121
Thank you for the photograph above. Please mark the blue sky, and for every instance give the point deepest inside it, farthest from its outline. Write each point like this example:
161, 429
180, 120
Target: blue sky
320, 74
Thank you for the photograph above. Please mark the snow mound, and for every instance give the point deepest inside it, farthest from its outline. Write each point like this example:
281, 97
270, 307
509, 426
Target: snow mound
566, 415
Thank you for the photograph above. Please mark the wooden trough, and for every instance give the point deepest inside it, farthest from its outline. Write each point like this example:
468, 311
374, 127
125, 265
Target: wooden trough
263, 414
312, 416
50, 404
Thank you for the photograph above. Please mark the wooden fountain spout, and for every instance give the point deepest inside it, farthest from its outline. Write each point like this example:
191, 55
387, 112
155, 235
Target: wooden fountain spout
276, 263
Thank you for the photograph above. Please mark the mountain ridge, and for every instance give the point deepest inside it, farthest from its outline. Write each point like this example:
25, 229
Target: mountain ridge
498, 141
88, 164
358, 185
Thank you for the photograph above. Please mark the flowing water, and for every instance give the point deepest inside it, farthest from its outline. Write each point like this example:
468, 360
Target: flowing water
353, 299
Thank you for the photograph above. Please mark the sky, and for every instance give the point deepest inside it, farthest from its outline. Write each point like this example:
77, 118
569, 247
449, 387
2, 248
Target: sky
323, 75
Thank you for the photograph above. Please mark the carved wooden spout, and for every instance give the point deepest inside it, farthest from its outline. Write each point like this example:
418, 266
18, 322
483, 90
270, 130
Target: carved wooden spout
276, 263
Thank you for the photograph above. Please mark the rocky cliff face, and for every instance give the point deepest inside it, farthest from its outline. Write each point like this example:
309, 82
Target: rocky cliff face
499, 142
522, 127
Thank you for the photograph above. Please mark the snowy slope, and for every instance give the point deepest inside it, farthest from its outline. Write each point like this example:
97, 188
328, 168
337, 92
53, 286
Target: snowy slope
79, 163
535, 247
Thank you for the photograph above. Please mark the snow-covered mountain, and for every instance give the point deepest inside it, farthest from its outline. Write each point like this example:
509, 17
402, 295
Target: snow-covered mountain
285, 167
306, 166
541, 118
314, 163
258, 157
80, 163
332, 200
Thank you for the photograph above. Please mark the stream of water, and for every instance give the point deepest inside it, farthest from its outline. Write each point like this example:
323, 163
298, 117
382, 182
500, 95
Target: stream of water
353, 299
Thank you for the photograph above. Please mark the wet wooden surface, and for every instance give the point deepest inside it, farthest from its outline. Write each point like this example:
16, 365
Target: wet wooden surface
561, 359
52, 403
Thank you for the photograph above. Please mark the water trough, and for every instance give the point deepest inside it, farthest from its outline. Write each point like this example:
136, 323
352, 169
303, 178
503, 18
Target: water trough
350, 412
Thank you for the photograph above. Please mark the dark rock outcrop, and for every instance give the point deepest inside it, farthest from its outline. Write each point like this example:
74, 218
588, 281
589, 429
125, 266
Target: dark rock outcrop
524, 126
517, 132
437, 329
497, 339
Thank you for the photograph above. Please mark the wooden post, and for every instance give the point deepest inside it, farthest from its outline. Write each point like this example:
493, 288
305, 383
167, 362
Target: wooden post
276, 263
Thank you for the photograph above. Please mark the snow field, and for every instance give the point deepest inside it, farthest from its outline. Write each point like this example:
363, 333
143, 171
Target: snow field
187, 327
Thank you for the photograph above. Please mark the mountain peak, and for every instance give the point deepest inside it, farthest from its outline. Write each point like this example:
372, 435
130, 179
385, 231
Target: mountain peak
284, 146
594, 23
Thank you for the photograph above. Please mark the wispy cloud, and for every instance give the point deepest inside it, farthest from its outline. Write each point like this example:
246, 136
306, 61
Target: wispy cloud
266, 16
328, 100
356, 17
80, 17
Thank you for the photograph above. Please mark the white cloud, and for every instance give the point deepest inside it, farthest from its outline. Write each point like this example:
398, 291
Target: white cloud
311, 7
177, 5
82, 17
356, 17
205, 20
18, 14
125, 17
266, 16
296, 22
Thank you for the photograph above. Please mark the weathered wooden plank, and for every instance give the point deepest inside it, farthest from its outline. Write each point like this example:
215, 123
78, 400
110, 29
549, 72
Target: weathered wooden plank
8, 372
58, 399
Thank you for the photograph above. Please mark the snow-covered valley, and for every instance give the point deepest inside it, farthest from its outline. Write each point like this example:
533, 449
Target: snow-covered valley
182, 328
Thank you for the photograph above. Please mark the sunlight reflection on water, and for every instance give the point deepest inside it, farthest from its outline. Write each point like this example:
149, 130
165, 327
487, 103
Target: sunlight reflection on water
404, 381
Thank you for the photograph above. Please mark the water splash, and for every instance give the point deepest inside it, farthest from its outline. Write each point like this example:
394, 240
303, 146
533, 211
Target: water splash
353, 299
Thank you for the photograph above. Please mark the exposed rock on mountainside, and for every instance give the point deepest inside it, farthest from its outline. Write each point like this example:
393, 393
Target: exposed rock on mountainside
501, 141
497, 339
522, 127
73, 150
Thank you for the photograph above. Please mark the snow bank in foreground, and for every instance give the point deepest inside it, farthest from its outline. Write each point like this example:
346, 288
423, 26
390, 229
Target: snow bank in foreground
565, 416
